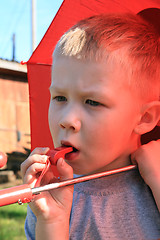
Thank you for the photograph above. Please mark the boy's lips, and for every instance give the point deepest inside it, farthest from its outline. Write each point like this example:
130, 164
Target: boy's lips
68, 144
74, 154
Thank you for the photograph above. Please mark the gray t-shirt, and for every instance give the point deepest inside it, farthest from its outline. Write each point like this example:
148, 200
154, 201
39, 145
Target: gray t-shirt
116, 207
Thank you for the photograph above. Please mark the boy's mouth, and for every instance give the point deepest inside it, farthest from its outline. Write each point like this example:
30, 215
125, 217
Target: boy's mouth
73, 154
75, 149
67, 144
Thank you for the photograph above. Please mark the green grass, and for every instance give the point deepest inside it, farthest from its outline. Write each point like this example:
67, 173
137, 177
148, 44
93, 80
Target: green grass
12, 218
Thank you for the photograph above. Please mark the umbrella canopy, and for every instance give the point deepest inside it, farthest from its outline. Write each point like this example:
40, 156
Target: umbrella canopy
39, 65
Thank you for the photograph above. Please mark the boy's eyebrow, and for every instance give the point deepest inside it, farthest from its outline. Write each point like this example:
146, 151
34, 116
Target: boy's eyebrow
85, 92
52, 87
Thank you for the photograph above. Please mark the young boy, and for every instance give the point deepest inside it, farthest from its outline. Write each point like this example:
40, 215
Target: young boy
104, 96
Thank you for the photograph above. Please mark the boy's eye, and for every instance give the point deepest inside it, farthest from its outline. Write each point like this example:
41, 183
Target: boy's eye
60, 99
92, 103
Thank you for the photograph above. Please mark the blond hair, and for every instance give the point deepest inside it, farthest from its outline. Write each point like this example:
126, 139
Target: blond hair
126, 38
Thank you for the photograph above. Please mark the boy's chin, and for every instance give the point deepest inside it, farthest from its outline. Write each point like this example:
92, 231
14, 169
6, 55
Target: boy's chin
89, 172
81, 172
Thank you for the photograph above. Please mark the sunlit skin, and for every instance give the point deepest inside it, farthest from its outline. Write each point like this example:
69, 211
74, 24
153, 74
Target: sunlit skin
93, 108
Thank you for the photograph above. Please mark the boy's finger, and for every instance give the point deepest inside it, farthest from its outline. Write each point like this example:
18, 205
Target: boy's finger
31, 160
33, 157
33, 170
40, 150
65, 171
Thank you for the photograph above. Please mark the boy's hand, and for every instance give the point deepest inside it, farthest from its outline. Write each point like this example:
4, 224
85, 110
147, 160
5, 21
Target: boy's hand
51, 206
147, 157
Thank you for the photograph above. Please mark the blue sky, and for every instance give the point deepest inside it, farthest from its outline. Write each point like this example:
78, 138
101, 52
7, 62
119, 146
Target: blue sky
15, 17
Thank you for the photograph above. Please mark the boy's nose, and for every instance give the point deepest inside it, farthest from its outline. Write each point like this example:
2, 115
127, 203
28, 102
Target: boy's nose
75, 126
70, 122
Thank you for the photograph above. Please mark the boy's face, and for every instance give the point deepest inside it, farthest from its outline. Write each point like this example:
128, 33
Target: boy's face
92, 109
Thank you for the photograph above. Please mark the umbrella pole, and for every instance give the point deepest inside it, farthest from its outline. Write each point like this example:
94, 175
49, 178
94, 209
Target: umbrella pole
68, 182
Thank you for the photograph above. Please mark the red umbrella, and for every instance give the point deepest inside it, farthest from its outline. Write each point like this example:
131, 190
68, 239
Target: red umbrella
39, 65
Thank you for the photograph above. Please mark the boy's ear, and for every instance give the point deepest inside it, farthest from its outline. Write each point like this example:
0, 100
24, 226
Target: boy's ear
150, 117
